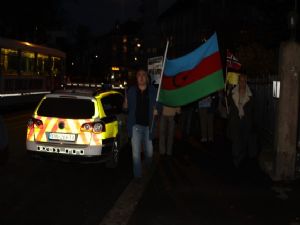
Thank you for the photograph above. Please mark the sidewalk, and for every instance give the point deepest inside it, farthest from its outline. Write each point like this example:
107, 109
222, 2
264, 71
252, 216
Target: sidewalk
199, 185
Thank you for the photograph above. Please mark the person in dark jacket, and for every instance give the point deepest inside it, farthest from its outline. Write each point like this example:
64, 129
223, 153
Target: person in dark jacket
240, 129
141, 102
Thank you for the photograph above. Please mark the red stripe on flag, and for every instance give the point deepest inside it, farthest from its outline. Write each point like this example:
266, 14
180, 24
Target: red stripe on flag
206, 67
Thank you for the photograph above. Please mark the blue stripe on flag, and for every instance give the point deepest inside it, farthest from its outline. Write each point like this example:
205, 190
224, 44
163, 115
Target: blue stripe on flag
192, 59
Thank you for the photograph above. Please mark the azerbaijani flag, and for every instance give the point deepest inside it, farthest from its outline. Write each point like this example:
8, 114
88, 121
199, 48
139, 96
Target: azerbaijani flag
193, 76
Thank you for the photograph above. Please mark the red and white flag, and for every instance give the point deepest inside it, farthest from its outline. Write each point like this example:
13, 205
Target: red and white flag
232, 61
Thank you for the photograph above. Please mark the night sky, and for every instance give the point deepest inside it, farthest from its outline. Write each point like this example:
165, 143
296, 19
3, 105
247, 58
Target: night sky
101, 15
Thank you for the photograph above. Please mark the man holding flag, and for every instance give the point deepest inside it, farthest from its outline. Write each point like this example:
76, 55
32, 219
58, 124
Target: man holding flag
140, 103
183, 80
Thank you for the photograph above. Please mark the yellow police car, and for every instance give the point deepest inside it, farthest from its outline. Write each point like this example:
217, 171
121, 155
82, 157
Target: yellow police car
78, 124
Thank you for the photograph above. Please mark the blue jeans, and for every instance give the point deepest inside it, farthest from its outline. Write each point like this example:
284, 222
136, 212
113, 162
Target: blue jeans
140, 137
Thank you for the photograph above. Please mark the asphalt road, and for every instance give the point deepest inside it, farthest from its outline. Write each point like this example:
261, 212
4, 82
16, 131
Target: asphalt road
45, 192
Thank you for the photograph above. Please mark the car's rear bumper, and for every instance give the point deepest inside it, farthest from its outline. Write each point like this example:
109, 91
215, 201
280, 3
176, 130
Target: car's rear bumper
70, 158
70, 152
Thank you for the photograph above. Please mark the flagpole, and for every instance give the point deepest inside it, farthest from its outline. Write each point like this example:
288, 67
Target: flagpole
225, 87
225, 90
162, 70
160, 81
234, 63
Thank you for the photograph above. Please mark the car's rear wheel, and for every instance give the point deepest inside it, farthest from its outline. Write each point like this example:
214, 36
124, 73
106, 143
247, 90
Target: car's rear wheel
114, 160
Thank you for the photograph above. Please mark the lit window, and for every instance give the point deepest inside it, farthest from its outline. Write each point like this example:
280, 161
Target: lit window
115, 68
42, 64
9, 61
27, 63
56, 66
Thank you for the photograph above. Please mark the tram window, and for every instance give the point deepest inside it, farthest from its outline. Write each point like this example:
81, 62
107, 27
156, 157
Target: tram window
9, 61
27, 63
42, 65
56, 66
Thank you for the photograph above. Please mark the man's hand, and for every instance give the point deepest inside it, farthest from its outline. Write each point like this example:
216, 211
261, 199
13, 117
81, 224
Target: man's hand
125, 103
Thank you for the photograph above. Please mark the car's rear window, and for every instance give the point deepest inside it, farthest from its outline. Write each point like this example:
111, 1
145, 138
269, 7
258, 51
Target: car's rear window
67, 108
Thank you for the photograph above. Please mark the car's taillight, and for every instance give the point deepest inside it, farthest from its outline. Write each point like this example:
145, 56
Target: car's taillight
34, 122
96, 127
87, 127
30, 123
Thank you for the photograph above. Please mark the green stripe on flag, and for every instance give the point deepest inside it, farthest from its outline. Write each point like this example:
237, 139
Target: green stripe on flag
192, 92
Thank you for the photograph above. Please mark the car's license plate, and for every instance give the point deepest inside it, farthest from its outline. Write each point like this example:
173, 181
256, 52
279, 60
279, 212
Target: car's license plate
62, 137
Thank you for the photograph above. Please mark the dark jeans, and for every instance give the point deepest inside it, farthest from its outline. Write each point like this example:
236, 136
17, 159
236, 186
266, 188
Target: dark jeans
166, 134
207, 124
244, 145
186, 119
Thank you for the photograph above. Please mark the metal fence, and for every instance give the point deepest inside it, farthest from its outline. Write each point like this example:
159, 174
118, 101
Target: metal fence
265, 107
